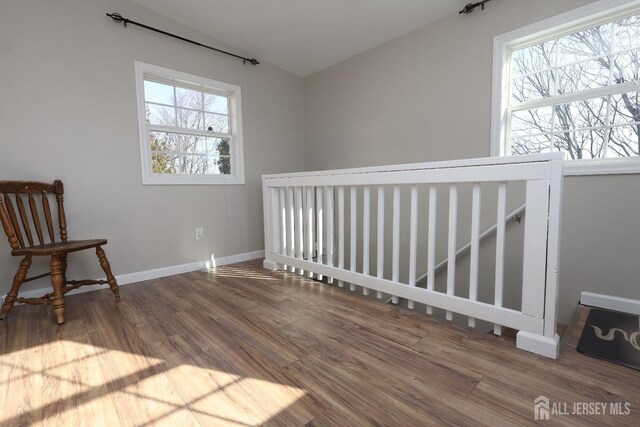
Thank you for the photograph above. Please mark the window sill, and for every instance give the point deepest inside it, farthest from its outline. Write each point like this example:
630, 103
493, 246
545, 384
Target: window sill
192, 180
602, 167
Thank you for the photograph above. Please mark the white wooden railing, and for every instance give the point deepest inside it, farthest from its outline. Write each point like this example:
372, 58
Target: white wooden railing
305, 232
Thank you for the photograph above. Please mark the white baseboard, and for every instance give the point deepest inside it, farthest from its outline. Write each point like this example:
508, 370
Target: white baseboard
625, 305
232, 259
125, 279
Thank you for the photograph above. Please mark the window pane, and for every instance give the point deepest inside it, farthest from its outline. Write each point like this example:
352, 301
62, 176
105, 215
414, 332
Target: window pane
527, 122
188, 98
582, 76
216, 123
216, 103
189, 119
174, 153
627, 67
534, 58
581, 114
624, 141
158, 92
584, 44
531, 144
161, 115
588, 144
625, 108
597, 58
627, 33
533, 86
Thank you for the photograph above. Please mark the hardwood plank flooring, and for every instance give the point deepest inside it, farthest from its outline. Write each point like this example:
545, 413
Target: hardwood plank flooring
241, 346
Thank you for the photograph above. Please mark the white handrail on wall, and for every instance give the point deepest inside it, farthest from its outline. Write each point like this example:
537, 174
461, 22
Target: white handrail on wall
513, 215
299, 202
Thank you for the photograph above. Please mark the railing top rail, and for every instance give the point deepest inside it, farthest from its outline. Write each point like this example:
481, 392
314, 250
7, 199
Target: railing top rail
446, 164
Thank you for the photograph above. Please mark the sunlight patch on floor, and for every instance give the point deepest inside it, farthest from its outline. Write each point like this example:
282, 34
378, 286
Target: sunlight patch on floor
240, 273
72, 383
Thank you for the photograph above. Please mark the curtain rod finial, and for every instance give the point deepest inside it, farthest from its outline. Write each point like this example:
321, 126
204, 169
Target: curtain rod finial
117, 18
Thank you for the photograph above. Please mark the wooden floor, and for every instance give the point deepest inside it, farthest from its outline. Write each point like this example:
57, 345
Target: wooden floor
242, 346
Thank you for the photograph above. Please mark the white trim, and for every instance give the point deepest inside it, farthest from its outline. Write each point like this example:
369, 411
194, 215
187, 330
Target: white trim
625, 305
139, 276
491, 173
234, 93
271, 266
564, 23
501, 315
623, 165
232, 259
446, 164
548, 347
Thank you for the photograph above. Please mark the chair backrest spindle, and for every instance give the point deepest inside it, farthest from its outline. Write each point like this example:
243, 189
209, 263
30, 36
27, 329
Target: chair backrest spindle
62, 219
19, 225
14, 219
36, 218
24, 218
47, 216
8, 227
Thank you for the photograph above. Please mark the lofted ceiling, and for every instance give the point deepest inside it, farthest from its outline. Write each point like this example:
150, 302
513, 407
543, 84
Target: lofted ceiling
303, 36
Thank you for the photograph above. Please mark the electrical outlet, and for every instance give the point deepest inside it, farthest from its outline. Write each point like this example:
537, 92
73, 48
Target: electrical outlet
199, 233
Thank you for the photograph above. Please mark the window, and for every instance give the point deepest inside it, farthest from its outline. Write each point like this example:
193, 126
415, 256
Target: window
572, 87
190, 128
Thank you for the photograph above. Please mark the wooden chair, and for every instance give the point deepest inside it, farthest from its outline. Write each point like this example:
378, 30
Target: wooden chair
15, 221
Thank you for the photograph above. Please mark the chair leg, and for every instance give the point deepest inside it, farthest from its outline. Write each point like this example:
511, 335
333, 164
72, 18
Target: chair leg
104, 263
63, 261
21, 274
57, 281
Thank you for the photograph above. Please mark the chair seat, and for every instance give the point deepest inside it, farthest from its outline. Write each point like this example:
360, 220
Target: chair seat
59, 247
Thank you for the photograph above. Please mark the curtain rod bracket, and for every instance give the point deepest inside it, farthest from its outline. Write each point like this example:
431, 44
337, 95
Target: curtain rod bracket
121, 19
471, 6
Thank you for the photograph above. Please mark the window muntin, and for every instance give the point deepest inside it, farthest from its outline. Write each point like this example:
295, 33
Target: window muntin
576, 93
191, 129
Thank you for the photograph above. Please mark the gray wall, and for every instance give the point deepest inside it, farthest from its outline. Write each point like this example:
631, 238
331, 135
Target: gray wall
426, 96
68, 111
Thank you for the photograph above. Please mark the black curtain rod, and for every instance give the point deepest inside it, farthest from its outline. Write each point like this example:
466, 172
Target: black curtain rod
471, 6
119, 18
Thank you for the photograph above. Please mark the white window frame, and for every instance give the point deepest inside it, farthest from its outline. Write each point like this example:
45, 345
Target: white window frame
566, 23
142, 71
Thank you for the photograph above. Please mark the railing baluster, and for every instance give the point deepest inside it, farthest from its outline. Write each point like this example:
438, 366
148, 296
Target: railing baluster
431, 244
319, 227
475, 248
290, 226
310, 217
395, 271
413, 244
500, 240
330, 231
340, 231
283, 222
272, 197
451, 256
299, 226
380, 261
353, 248
366, 228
